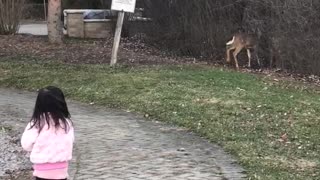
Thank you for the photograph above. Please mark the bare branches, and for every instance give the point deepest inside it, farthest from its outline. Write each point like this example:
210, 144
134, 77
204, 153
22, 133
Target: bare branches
10, 14
291, 28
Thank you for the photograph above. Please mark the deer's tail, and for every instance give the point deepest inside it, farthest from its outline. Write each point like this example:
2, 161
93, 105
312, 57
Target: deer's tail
231, 42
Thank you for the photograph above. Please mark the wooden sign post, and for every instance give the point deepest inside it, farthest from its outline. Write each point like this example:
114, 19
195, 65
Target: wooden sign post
122, 6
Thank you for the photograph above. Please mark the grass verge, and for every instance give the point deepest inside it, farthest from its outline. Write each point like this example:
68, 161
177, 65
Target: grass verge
272, 130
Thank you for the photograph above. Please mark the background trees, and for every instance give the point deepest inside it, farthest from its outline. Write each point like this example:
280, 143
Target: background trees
288, 28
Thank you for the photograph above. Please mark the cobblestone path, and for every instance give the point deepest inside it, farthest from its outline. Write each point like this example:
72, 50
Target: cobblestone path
113, 145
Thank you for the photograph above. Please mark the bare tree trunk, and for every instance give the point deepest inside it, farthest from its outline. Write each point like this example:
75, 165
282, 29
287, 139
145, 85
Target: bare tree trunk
54, 22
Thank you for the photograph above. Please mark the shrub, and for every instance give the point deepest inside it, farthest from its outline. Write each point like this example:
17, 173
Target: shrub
10, 15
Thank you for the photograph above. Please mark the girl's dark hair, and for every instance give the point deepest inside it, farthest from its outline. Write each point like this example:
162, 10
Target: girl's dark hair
51, 106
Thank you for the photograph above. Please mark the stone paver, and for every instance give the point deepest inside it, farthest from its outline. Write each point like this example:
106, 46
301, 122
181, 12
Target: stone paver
114, 145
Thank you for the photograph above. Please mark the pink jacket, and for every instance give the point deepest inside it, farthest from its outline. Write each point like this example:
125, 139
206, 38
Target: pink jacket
51, 149
50, 146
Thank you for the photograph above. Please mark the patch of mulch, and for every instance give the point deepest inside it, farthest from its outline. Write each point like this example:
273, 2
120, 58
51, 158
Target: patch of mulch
13, 162
132, 51
279, 75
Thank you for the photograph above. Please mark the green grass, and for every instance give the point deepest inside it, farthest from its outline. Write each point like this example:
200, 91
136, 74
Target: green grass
241, 112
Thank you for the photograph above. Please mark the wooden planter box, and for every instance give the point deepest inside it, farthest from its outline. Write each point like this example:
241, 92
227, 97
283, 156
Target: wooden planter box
78, 27
98, 28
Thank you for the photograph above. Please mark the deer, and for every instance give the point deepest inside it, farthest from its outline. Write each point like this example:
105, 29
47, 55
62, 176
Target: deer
239, 42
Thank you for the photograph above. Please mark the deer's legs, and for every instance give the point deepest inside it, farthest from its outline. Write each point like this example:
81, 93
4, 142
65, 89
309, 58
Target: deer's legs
235, 53
256, 54
228, 55
258, 61
273, 58
255, 49
249, 57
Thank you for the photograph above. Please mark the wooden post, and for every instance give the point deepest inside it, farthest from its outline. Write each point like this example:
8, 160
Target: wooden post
117, 38
45, 10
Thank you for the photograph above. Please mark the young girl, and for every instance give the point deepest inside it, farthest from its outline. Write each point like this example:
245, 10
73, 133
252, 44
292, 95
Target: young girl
49, 136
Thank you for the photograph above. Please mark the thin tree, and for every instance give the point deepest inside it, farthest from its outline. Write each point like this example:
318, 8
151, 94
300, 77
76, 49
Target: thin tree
54, 22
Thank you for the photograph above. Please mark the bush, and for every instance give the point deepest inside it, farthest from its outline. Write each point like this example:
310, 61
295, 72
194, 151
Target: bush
197, 28
10, 15
201, 28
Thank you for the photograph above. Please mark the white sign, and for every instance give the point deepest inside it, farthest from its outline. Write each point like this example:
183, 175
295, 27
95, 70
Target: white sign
123, 5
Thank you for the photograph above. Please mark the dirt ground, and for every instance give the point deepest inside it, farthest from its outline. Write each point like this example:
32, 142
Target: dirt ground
14, 163
132, 51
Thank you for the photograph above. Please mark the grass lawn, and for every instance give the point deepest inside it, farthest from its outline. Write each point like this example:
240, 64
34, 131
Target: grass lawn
272, 128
